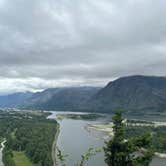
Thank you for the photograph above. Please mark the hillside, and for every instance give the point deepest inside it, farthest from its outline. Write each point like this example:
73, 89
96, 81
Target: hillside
60, 98
12, 100
136, 94
133, 94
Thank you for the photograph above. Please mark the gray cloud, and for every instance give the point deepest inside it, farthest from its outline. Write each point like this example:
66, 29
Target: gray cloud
47, 43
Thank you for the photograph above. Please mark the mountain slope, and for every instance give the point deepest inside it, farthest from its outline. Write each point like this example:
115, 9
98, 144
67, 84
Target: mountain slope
12, 100
133, 94
60, 98
136, 94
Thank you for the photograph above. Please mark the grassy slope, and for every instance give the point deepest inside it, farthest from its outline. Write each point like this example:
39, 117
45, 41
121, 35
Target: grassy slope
20, 159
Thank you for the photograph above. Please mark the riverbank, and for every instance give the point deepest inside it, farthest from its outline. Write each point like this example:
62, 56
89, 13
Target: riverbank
54, 146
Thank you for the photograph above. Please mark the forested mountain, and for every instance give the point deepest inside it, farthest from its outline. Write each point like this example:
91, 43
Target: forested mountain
60, 98
133, 93
12, 100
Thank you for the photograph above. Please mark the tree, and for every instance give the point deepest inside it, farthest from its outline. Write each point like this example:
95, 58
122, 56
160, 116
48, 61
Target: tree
84, 158
130, 152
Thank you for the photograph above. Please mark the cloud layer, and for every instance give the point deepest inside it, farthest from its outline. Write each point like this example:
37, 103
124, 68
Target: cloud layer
47, 43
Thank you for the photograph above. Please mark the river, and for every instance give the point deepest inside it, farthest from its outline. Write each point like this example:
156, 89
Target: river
74, 140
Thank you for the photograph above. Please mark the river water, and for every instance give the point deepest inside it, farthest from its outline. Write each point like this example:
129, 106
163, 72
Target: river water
74, 140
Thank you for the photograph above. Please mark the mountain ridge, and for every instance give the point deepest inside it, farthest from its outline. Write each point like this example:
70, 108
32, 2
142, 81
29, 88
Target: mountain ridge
140, 93
135, 94
66, 98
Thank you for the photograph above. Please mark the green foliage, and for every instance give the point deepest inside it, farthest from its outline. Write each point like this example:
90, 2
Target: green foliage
120, 151
21, 159
30, 133
158, 135
87, 116
84, 158
8, 157
118, 127
61, 157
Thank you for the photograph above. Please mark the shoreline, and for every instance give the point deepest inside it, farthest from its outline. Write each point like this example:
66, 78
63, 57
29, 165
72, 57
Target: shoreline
53, 153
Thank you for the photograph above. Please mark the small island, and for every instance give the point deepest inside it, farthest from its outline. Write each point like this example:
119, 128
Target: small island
80, 116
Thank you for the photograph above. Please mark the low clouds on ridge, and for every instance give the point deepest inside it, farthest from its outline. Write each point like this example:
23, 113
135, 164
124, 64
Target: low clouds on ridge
47, 43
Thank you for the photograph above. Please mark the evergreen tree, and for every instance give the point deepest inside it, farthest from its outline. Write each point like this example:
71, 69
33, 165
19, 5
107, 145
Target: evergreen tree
130, 152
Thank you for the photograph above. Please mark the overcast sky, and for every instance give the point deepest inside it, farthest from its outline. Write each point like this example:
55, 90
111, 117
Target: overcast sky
49, 43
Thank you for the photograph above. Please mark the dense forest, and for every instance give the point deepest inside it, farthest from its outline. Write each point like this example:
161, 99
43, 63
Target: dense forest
29, 133
158, 135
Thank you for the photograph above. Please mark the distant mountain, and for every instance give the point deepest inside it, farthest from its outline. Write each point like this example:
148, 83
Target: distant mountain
69, 98
12, 100
135, 94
